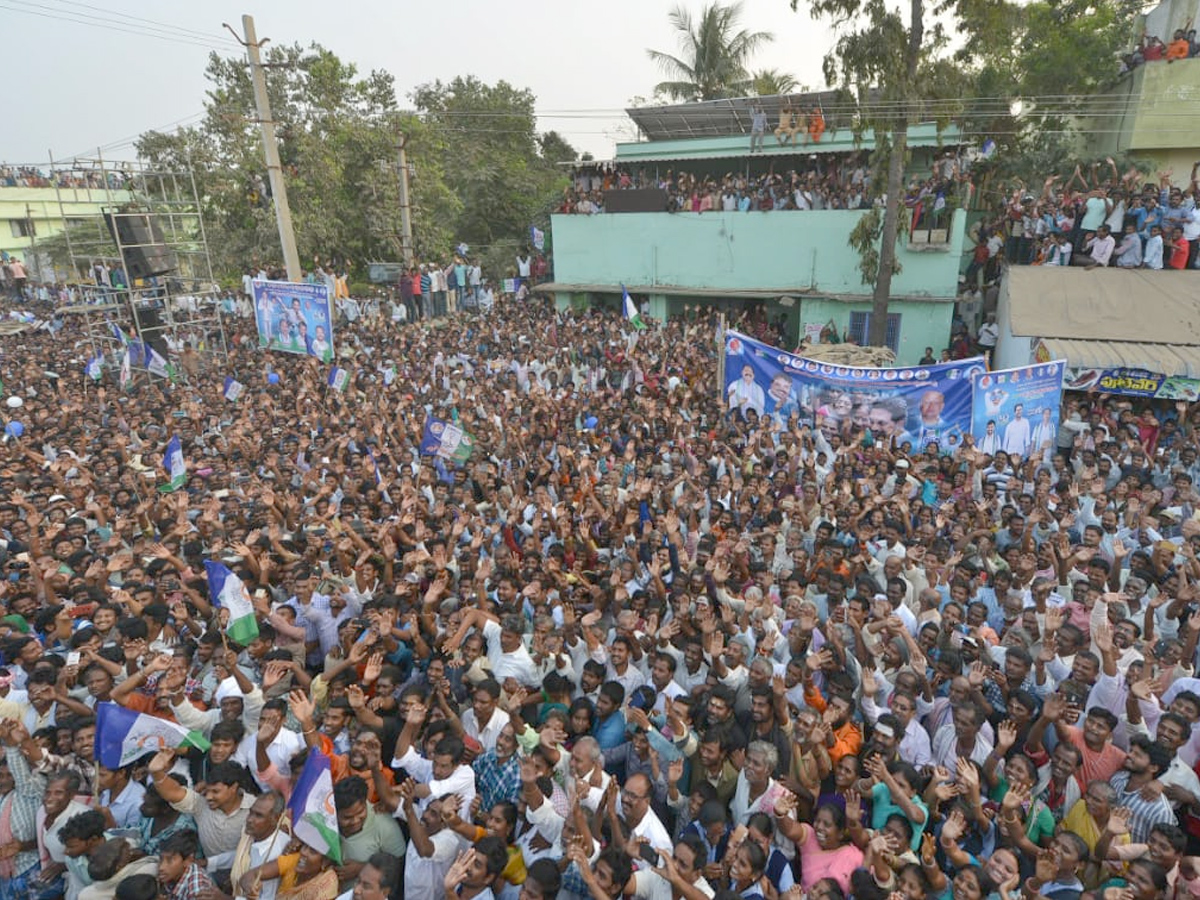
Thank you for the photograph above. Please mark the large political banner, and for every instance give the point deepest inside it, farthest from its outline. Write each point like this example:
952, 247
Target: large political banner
1017, 410
920, 405
294, 318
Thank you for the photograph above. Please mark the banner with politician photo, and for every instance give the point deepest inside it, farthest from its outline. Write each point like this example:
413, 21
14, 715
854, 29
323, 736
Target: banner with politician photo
1017, 410
294, 318
918, 405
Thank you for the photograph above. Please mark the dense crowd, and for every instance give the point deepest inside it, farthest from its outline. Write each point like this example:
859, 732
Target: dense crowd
831, 181
639, 643
1101, 218
34, 177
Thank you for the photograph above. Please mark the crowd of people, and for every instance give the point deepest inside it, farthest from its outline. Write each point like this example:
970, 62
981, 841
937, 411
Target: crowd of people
34, 177
1151, 48
1093, 219
832, 181
638, 643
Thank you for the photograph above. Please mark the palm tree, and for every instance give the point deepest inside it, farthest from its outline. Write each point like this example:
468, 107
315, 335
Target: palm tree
715, 53
771, 82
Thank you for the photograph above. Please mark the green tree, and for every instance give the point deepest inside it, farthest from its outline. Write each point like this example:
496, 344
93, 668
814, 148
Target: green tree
771, 82
889, 65
504, 175
715, 54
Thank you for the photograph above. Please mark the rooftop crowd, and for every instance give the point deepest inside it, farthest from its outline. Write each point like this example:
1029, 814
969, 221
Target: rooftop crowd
34, 177
831, 181
638, 644
1093, 218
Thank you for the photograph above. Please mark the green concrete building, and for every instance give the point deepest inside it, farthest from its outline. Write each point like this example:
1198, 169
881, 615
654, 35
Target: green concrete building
798, 264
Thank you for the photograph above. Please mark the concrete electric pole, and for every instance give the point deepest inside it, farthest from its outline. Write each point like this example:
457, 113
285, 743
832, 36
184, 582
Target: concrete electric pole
406, 230
283, 213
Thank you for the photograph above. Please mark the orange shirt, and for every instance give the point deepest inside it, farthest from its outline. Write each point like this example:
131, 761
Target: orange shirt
339, 768
1178, 49
847, 740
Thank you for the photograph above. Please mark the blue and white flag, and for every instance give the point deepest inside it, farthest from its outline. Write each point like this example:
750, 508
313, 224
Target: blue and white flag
123, 735
229, 592
538, 237
94, 368
338, 378
126, 374
233, 388
389, 375
156, 364
314, 815
175, 465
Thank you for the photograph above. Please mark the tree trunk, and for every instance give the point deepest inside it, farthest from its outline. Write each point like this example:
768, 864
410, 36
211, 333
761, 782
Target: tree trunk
877, 335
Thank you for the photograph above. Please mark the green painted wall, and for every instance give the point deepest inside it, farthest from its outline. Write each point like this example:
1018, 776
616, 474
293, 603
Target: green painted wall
791, 252
42, 206
1160, 117
922, 323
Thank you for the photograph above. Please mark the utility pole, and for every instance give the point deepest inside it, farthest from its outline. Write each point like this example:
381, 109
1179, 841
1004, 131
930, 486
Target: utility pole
406, 231
32, 261
283, 213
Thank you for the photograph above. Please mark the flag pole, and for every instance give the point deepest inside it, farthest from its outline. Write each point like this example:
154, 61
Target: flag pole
270, 847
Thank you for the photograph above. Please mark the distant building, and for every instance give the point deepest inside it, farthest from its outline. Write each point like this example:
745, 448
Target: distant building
796, 264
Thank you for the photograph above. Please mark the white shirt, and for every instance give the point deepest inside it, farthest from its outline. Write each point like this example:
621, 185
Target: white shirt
652, 830
423, 875
1016, 437
461, 782
285, 745
518, 664
488, 734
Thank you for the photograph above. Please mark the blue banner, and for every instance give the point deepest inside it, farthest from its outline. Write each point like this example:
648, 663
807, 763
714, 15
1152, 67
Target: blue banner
294, 318
446, 440
918, 405
1017, 410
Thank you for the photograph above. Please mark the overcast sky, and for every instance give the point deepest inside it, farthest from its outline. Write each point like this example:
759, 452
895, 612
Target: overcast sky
73, 86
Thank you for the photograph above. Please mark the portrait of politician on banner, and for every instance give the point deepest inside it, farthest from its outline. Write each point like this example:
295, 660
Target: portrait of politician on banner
918, 405
294, 318
1017, 410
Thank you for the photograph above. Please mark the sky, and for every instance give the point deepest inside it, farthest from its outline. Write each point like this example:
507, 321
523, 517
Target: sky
74, 86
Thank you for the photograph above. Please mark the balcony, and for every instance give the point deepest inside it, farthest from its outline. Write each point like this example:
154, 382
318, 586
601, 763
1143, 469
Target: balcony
800, 253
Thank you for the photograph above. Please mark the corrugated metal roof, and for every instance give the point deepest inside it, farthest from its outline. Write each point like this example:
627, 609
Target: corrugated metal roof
1096, 318
734, 145
1166, 359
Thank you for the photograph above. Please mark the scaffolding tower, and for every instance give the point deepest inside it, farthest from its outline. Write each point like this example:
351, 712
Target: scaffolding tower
147, 240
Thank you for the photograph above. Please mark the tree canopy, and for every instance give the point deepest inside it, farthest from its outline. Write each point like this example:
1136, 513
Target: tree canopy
480, 172
715, 54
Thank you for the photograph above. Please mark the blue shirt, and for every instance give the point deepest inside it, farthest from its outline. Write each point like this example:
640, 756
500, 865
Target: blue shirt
610, 732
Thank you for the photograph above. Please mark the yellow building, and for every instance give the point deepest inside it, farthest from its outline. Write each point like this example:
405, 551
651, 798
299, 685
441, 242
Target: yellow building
32, 214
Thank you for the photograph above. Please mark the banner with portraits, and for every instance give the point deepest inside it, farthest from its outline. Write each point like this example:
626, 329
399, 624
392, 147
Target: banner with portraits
919, 405
1017, 410
294, 317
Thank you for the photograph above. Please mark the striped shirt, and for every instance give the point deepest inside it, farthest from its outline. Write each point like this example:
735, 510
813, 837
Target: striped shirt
1144, 814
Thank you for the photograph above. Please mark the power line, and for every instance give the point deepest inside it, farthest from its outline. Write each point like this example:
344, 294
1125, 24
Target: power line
165, 25
68, 16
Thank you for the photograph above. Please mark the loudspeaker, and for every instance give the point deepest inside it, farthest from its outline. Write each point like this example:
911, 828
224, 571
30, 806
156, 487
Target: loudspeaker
150, 328
142, 244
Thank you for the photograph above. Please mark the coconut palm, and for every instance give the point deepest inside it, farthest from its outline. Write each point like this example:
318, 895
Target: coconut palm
771, 82
714, 57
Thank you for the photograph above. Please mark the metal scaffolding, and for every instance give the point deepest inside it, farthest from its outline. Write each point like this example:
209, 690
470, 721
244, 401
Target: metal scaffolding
148, 213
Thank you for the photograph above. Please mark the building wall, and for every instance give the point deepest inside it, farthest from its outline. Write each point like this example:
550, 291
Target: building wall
1160, 119
922, 323
785, 251
42, 206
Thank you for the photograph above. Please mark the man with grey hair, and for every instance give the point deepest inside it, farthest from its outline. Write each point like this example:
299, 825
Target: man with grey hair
589, 780
756, 789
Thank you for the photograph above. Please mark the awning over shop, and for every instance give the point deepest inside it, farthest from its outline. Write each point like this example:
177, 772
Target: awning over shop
1109, 318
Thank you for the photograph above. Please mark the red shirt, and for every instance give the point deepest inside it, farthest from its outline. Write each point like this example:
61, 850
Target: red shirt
1179, 254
